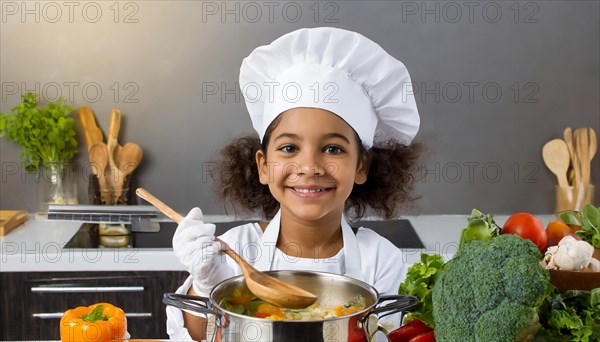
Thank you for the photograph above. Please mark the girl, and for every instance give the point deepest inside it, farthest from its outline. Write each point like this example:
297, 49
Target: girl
335, 118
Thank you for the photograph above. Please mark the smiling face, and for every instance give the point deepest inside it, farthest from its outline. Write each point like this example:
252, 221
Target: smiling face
311, 163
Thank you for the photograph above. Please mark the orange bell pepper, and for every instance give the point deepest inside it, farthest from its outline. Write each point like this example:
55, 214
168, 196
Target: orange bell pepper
98, 322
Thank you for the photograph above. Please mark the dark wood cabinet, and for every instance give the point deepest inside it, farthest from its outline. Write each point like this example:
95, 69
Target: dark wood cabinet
33, 303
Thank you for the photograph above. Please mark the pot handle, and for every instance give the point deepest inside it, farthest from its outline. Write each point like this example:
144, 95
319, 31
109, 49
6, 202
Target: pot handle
190, 303
400, 303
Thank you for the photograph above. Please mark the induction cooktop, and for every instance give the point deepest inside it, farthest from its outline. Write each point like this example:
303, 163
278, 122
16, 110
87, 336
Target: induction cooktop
400, 232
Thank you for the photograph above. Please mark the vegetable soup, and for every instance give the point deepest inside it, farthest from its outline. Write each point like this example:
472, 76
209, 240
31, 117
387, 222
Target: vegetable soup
242, 301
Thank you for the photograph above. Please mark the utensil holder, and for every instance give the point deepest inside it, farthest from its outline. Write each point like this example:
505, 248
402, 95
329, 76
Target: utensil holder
97, 196
572, 198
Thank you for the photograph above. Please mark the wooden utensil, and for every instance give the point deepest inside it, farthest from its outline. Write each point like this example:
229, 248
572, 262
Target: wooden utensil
593, 143
582, 147
556, 156
582, 151
571, 176
11, 219
128, 160
92, 132
111, 144
96, 135
265, 287
99, 159
113, 131
568, 135
84, 124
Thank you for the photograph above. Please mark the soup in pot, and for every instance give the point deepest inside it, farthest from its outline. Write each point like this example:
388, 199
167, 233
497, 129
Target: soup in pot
242, 301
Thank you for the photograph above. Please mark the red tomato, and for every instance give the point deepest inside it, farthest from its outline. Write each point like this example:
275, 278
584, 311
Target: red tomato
426, 337
528, 227
408, 331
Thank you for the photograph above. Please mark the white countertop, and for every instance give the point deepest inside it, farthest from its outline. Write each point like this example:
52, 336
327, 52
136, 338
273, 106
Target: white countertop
37, 246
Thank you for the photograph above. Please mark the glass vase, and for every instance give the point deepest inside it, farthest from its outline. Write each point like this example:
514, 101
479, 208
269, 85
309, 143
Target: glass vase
56, 184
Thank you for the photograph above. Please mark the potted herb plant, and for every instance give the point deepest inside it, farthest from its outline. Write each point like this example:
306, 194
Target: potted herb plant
47, 136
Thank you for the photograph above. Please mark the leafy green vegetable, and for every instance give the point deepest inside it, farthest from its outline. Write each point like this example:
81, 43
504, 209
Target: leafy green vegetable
588, 219
419, 282
572, 316
479, 227
45, 134
491, 291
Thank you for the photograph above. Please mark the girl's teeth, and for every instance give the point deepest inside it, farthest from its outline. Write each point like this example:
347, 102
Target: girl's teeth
308, 190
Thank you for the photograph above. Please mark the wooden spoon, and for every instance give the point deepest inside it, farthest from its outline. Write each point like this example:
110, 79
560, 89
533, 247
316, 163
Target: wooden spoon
556, 156
263, 286
128, 159
99, 159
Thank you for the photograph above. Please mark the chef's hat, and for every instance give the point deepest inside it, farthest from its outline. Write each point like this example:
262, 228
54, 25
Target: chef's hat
333, 69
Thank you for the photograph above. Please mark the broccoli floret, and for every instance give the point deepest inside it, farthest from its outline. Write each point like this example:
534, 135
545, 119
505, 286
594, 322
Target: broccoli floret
490, 292
493, 324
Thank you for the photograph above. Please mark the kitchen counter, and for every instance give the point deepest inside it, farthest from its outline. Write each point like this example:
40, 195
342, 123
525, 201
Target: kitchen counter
37, 246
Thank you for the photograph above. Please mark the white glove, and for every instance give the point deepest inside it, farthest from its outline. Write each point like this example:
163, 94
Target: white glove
195, 246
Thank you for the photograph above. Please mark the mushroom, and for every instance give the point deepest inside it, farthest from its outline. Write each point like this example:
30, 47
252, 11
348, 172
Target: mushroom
569, 255
594, 265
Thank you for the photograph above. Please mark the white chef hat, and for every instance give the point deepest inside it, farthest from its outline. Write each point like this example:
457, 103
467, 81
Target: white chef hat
333, 69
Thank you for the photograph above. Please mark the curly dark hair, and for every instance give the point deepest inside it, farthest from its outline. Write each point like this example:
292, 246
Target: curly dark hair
389, 182
237, 177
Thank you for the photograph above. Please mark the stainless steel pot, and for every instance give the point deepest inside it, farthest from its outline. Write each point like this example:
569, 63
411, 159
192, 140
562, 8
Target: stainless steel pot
328, 287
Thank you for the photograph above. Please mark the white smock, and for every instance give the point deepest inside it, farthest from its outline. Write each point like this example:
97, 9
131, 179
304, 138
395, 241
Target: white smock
366, 256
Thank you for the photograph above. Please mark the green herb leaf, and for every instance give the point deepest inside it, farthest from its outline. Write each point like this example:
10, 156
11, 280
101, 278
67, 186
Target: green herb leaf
574, 315
570, 217
592, 214
588, 220
419, 282
45, 134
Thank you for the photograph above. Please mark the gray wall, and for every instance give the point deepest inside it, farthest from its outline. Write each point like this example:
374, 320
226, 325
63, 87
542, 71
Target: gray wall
156, 62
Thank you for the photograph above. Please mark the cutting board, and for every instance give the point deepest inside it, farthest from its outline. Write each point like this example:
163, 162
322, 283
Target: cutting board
10, 219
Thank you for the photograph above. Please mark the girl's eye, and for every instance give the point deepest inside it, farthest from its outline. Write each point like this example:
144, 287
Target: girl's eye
288, 149
333, 149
